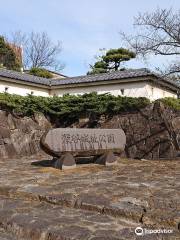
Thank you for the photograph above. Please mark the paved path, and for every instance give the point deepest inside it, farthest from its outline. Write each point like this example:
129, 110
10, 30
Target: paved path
90, 202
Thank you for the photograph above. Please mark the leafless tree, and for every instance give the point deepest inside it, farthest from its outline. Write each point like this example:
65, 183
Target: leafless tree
38, 50
18, 38
159, 34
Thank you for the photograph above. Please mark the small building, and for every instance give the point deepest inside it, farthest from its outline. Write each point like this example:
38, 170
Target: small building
57, 75
130, 83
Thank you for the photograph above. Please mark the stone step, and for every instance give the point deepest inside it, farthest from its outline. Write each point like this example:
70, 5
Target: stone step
42, 221
95, 203
29, 220
168, 159
128, 209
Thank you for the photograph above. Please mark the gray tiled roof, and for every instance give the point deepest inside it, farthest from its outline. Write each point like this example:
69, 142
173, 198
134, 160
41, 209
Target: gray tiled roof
130, 73
23, 77
173, 82
103, 77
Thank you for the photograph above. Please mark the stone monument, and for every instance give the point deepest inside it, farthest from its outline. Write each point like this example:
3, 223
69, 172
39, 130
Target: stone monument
67, 143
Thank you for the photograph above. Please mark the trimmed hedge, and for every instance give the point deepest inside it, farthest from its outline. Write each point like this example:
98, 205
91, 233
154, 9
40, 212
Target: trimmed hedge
71, 106
172, 102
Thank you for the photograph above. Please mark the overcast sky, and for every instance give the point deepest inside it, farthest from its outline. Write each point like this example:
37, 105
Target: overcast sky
83, 26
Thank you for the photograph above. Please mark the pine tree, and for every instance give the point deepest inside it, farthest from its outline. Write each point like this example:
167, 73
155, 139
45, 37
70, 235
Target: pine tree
111, 60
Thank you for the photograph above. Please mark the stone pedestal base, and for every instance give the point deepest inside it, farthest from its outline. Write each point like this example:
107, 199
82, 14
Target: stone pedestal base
107, 159
66, 161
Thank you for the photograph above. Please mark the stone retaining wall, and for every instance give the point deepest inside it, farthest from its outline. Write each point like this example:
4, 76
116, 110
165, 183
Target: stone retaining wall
152, 133
20, 136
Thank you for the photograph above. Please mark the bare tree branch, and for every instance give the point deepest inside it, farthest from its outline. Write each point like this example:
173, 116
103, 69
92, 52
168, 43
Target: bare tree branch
38, 50
159, 34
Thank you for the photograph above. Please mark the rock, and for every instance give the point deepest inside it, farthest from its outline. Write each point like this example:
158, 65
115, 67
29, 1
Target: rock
107, 159
3, 119
152, 132
4, 132
11, 122
66, 161
83, 142
42, 121
20, 136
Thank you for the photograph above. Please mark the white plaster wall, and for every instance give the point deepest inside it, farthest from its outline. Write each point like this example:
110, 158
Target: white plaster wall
136, 89
23, 90
155, 92
132, 89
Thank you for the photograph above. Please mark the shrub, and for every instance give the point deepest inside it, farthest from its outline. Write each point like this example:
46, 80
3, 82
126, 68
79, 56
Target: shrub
172, 102
71, 106
40, 72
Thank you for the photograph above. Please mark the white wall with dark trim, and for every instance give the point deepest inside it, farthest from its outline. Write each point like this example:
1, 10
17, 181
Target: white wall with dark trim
131, 89
22, 89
